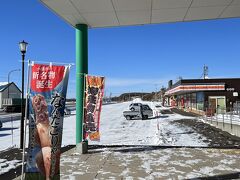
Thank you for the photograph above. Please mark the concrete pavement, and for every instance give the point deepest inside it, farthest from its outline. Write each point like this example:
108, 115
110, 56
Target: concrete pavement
144, 162
151, 163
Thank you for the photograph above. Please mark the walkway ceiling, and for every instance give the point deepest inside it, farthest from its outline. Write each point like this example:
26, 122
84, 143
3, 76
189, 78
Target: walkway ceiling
110, 13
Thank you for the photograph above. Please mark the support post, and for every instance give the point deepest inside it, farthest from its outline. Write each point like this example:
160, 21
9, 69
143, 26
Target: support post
22, 105
81, 70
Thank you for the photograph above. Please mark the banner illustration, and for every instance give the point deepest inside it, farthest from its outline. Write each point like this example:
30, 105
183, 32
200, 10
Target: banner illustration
92, 107
48, 88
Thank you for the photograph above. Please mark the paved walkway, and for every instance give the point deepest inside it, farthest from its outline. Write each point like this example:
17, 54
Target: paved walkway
151, 163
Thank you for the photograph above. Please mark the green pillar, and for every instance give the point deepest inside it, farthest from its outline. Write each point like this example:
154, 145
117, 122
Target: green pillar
81, 69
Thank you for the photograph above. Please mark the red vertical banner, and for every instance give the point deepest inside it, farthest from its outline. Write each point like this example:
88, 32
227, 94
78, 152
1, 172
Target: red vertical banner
48, 88
94, 88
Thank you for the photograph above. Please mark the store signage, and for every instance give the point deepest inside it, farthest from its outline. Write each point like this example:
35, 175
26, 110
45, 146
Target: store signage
230, 89
200, 87
235, 93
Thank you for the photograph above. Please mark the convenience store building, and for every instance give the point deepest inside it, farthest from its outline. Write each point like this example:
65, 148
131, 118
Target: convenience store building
198, 95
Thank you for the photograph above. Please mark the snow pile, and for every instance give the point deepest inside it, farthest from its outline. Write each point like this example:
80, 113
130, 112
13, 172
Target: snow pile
137, 100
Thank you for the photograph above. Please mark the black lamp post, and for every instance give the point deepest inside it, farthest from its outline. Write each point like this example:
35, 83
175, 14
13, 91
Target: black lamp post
23, 49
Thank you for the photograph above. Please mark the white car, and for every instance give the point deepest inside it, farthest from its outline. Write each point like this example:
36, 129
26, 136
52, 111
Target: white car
135, 106
144, 112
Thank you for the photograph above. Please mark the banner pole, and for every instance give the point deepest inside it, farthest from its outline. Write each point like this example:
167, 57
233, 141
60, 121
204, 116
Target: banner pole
84, 99
25, 121
47, 62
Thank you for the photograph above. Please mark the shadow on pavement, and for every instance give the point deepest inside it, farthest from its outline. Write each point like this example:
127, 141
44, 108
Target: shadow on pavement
150, 118
164, 116
139, 148
2, 135
167, 111
8, 129
219, 177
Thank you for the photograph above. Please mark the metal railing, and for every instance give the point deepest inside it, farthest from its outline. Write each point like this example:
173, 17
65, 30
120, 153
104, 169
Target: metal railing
230, 116
9, 132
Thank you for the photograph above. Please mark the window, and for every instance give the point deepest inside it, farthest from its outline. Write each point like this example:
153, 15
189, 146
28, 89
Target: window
193, 100
200, 100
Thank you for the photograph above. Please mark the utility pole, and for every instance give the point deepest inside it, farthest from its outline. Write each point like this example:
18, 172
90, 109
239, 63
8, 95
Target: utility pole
205, 72
155, 92
110, 97
105, 96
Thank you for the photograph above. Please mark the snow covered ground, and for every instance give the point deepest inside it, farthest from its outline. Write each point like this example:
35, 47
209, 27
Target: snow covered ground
9, 137
116, 130
10, 134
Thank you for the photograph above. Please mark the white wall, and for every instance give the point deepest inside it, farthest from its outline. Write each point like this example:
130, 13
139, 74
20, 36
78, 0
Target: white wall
13, 92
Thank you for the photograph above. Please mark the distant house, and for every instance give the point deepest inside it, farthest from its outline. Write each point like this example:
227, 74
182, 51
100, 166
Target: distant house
9, 91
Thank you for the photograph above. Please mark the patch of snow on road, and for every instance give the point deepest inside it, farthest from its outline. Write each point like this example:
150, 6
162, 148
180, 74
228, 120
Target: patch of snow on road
193, 161
6, 166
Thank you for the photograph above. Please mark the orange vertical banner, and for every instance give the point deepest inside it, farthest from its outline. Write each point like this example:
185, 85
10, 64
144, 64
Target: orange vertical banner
94, 89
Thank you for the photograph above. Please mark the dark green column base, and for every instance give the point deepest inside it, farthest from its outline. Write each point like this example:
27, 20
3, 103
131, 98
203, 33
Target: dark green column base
82, 147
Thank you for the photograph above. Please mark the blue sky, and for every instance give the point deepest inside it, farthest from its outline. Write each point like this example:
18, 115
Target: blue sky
137, 58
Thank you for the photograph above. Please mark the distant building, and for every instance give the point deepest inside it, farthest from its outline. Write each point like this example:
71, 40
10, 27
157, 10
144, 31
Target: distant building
8, 91
198, 95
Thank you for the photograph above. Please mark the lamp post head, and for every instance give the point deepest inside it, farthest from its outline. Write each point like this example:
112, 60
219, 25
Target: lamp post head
23, 47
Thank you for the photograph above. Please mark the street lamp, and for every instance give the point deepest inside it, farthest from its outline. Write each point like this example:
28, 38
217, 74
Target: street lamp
9, 77
23, 49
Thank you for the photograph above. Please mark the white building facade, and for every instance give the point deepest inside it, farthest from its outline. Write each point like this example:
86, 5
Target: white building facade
8, 92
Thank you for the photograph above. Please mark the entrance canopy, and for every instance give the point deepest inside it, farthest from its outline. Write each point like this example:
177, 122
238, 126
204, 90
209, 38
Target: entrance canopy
110, 13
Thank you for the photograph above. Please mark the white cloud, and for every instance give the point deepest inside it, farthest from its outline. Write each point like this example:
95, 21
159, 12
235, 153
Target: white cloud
123, 82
